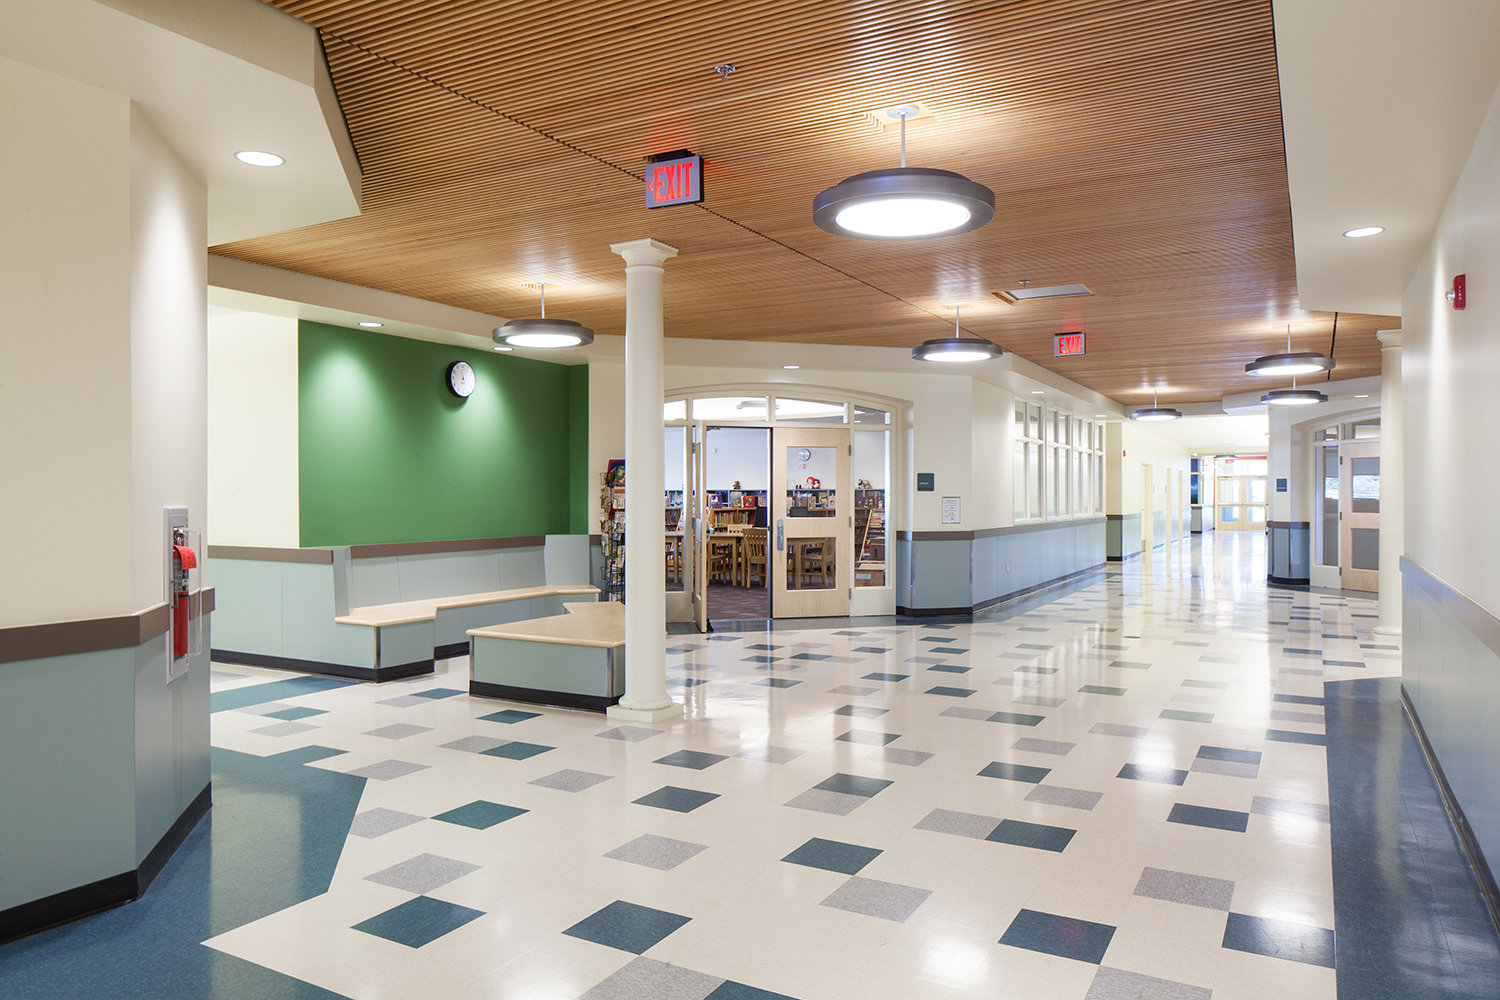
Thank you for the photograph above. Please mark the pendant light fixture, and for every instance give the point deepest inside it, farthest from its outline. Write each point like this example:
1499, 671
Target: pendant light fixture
544, 332
1300, 363
1155, 412
1293, 396
956, 349
905, 203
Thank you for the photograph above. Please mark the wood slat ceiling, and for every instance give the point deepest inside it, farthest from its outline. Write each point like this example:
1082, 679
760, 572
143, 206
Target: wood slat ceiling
1133, 146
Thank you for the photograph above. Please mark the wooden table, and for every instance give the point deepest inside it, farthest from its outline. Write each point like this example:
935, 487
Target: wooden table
736, 542
674, 547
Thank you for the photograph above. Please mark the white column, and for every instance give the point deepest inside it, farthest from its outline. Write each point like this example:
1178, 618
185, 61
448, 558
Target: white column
1392, 506
645, 697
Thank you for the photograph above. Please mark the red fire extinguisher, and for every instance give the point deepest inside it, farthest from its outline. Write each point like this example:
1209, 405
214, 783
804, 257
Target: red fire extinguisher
183, 559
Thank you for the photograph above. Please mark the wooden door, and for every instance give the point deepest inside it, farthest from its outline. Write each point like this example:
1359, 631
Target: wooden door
1359, 515
812, 523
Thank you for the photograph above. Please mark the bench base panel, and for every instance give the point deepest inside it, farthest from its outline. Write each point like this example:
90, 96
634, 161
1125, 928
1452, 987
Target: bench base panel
377, 674
450, 650
559, 699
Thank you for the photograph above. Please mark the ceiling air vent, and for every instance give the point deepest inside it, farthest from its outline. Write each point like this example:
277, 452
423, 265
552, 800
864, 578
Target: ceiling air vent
1013, 295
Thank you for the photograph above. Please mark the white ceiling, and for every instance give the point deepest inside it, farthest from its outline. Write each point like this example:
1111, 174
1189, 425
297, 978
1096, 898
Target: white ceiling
1381, 100
215, 77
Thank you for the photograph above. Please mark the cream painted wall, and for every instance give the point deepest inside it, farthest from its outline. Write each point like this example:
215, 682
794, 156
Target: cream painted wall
606, 426
252, 430
1450, 370
65, 350
1140, 447
168, 352
992, 427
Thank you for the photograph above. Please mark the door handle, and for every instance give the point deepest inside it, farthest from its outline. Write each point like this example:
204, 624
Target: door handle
780, 534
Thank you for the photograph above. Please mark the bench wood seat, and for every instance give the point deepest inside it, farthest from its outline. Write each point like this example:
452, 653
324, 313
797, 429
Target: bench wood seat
382, 615
587, 623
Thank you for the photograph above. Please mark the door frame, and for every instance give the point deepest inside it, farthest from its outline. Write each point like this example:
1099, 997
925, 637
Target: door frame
833, 602
1349, 577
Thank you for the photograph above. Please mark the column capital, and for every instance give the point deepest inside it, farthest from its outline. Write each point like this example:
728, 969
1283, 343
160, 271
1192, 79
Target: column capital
649, 252
1388, 338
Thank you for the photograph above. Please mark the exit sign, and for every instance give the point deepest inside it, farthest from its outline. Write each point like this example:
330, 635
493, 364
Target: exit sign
674, 182
1067, 344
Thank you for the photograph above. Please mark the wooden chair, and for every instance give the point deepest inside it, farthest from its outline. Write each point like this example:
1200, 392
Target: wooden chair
813, 564
720, 560
755, 555
674, 558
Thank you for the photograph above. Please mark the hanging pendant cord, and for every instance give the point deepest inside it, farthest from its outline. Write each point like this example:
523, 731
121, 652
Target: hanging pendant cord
1331, 344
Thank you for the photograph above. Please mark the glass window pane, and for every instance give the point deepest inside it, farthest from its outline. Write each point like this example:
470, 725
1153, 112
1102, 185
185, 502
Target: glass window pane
1051, 488
1364, 485
675, 410
870, 415
809, 411
869, 512
1018, 480
810, 475
1034, 480
1229, 515
730, 408
1364, 545
1229, 491
1257, 490
811, 563
1257, 515
1020, 419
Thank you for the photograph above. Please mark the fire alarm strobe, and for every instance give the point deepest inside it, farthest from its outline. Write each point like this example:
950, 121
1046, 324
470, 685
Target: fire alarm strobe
1456, 294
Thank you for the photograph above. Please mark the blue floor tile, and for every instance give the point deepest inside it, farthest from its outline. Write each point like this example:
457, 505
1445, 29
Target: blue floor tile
872, 739
306, 755
1036, 835
861, 711
1279, 939
517, 750
695, 759
1226, 754
1047, 671
419, 921
259, 694
833, 856
627, 926
868, 649
1207, 816
811, 656
1296, 699
853, 784
951, 692
949, 668
436, 693
886, 677
1016, 718
479, 814
1015, 772
1285, 736
510, 716
683, 800
1101, 689
293, 714
1180, 716
739, 991
778, 682
1160, 775
1065, 937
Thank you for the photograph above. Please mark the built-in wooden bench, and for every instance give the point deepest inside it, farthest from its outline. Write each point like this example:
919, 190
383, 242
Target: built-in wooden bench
576, 659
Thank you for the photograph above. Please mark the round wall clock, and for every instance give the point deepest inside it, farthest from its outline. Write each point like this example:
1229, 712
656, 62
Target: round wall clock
803, 455
461, 379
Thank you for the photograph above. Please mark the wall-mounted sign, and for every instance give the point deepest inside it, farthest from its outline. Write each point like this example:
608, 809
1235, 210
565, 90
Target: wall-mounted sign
674, 182
925, 482
951, 510
1281, 486
1066, 345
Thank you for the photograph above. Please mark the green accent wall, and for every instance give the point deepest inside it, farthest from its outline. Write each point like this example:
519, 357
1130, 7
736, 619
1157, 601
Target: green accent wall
388, 454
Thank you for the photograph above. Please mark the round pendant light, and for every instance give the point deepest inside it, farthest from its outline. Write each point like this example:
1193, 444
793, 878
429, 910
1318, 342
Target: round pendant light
1293, 396
1155, 412
956, 349
903, 203
1291, 363
543, 332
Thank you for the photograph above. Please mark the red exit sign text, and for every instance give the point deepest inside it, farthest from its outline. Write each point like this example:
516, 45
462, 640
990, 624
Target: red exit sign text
1067, 344
674, 182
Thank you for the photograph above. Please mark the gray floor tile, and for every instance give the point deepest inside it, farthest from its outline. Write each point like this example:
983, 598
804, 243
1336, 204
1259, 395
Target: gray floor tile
895, 755
399, 731
1180, 887
1038, 700
960, 712
775, 755
568, 780
648, 979
835, 803
861, 711
661, 853
378, 822
1030, 745
283, 729
1304, 717
1262, 806
959, 824
1130, 732
388, 770
474, 744
1226, 767
1072, 798
856, 690
874, 898
1197, 699
266, 708
868, 738
1117, 984
630, 734
422, 873
405, 701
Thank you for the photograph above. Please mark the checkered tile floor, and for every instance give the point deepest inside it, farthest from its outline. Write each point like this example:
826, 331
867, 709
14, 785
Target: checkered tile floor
1119, 793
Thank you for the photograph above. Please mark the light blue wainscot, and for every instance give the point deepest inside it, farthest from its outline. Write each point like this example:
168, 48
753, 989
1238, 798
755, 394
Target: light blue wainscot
961, 572
576, 660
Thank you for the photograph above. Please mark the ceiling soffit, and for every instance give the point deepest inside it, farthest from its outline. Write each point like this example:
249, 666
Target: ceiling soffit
1133, 147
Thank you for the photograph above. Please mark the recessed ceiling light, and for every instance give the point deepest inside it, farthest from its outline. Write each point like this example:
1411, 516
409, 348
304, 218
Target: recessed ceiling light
371, 324
791, 366
1362, 395
1101, 416
903, 203
1038, 392
502, 347
1355, 234
1013, 295
258, 158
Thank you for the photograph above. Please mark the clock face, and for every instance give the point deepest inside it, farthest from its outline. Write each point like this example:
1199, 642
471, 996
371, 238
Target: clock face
461, 379
803, 455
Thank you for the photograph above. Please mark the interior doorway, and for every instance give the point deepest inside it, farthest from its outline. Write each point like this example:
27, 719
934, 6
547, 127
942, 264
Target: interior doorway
1241, 492
736, 506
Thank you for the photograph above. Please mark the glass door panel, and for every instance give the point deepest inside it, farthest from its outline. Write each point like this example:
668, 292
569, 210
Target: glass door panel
1359, 515
812, 522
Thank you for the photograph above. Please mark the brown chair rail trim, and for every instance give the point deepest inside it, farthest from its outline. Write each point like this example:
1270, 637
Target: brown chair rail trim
450, 545
258, 554
91, 635
1478, 620
1120, 517
1014, 529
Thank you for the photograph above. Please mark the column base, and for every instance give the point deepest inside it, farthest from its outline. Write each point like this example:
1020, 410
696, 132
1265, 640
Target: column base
670, 711
1387, 630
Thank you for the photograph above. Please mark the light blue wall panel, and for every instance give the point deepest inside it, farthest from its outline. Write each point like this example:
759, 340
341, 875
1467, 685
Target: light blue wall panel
247, 597
902, 572
308, 629
374, 581
409, 642
940, 574
522, 568
1159, 527
566, 558
1035, 557
543, 666
171, 740
67, 790
448, 574
453, 624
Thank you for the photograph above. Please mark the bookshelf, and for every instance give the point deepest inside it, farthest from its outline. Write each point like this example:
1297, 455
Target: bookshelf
870, 538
